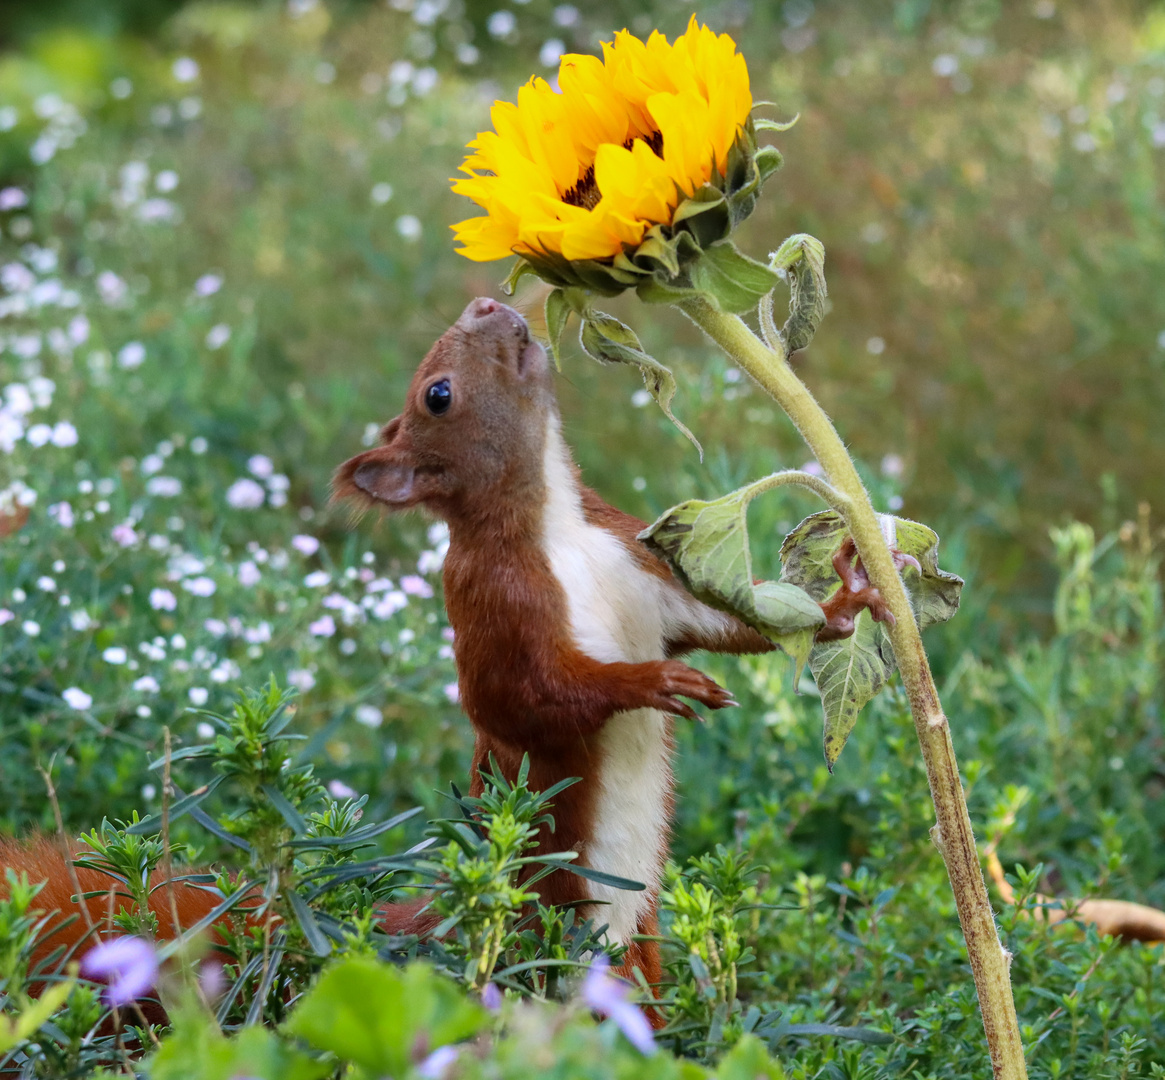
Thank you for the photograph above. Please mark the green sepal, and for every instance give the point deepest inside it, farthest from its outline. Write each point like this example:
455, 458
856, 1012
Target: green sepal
731, 280
763, 124
802, 257
613, 342
558, 310
707, 545
518, 271
851, 671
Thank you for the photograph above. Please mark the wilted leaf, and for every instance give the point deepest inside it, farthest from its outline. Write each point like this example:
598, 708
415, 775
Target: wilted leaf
851, 671
803, 256
707, 545
607, 339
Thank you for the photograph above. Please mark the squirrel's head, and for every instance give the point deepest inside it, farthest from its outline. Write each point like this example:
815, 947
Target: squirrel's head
474, 423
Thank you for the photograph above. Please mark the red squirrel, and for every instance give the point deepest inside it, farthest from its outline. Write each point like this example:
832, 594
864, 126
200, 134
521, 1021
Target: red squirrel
566, 629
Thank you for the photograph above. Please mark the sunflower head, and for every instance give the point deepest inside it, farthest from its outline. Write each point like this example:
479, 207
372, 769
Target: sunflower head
628, 174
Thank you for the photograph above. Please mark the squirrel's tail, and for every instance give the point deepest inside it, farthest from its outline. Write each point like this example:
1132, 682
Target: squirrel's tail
77, 921
77, 924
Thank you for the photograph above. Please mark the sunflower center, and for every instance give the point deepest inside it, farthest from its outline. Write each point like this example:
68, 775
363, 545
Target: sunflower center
586, 192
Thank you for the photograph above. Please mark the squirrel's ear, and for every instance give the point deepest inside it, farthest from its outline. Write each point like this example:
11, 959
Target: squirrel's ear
386, 481
385, 474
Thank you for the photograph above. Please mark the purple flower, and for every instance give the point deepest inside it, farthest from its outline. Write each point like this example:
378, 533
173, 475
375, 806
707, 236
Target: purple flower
339, 790
211, 980
248, 574
437, 1065
12, 198
416, 586
128, 965
305, 545
208, 284
324, 627
62, 514
124, 534
245, 494
608, 997
491, 997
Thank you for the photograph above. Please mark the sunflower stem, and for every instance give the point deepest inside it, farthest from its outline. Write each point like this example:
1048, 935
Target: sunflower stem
952, 833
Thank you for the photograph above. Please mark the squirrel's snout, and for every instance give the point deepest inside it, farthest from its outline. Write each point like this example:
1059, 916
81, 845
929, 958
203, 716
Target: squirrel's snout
485, 315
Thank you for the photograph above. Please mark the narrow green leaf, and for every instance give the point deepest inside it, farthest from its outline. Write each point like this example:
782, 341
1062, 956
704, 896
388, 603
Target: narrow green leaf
870, 1036
202, 751
177, 809
518, 271
591, 874
304, 915
208, 823
763, 124
288, 812
207, 921
270, 971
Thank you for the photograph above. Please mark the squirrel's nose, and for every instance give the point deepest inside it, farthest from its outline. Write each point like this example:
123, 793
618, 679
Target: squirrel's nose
485, 313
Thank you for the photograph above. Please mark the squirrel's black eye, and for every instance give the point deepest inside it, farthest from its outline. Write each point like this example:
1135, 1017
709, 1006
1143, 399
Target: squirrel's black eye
439, 397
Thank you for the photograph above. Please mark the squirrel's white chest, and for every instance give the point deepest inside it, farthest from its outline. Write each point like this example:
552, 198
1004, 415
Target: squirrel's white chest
618, 612
615, 607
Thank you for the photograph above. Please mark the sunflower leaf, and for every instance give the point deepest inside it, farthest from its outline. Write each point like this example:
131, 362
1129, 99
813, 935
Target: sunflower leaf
732, 281
706, 543
848, 674
851, 671
557, 312
608, 340
807, 562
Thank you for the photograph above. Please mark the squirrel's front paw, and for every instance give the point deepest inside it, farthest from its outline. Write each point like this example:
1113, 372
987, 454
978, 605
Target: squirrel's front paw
678, 680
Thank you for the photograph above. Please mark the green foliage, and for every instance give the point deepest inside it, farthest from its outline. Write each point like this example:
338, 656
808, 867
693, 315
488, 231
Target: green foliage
852, 670
707, 544
380, 1018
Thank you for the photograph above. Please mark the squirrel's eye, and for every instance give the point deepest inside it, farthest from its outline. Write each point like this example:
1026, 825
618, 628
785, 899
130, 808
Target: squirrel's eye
439, 397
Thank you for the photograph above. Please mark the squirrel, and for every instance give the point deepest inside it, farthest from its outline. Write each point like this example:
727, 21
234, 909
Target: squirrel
566, 633
565, 628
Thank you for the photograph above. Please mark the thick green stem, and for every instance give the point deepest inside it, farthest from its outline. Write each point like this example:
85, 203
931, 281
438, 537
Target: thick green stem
952, 834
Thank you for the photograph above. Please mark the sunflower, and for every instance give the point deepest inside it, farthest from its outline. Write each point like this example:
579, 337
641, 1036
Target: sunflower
592, 171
